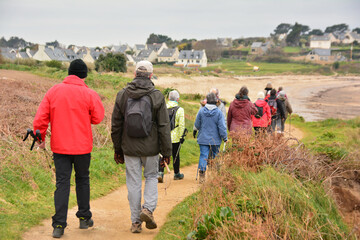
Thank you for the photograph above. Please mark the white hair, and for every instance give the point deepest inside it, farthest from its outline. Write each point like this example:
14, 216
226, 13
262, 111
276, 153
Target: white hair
216, 91
174, 95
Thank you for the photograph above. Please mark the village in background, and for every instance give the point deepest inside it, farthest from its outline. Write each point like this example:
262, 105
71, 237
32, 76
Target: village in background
288, 43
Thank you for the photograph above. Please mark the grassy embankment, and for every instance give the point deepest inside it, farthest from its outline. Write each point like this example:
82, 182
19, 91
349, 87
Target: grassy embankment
27, 183
306, 209
283, 197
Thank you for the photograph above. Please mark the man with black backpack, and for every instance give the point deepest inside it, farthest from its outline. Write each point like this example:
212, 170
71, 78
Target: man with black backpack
273, 104
140, 130
177, 127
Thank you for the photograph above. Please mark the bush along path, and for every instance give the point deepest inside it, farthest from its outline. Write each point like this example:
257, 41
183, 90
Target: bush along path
111, 213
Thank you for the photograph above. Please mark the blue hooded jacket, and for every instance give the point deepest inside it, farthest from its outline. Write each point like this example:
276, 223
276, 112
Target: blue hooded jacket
211, 124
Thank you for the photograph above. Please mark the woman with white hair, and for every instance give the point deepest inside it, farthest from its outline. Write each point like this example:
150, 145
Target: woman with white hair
212, 131
177, 124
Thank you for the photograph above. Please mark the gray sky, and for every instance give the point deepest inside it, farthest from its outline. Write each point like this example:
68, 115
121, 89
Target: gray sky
105, 22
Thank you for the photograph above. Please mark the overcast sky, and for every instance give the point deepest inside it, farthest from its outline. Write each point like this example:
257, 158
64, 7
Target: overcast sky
106, 22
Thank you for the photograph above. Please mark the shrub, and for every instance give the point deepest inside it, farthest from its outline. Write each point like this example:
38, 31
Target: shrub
54, 64
111, 63
336, 65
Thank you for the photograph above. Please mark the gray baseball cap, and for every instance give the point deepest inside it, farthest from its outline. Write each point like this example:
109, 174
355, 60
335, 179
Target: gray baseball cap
144, 66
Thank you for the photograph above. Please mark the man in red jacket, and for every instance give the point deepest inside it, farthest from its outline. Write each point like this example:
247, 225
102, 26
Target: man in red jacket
70, 107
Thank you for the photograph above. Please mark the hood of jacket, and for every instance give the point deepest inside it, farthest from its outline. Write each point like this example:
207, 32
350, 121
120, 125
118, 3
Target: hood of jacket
139, 87
171, 104
260, 103
237, 96
240, 103
210, 110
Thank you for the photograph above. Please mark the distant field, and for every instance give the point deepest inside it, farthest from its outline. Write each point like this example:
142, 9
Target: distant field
230, 66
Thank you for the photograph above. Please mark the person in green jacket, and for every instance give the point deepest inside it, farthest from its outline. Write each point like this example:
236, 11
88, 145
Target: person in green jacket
138, 152
177, 138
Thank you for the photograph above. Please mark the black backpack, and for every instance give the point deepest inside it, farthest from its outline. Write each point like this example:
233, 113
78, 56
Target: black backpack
273, 106
172, 114
260, 111
138, 116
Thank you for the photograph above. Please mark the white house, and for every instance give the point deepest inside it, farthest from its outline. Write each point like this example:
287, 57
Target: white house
351, 37
120, 49
323, 42
148, 54
157, 47
323, 55
8, 53
224, 42
259, 48
192, 58
41, 55
138, 47
168, 55
85, 55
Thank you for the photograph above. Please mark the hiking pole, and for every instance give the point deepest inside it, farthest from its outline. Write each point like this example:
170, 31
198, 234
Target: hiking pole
290, 125
182, 137
38, 136
167, 166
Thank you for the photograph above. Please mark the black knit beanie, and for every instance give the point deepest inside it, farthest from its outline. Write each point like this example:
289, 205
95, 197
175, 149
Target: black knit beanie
78, 68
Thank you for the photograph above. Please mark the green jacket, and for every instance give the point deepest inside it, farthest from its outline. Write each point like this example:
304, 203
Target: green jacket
177, 132
159, 140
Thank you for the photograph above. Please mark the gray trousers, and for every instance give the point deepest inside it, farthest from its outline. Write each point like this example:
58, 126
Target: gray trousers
134, 182
280, 125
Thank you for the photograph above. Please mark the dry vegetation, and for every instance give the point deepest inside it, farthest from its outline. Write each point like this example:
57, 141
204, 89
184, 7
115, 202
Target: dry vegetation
268, 204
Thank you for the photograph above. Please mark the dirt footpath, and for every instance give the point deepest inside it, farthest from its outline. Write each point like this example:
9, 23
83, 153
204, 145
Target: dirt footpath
111, 213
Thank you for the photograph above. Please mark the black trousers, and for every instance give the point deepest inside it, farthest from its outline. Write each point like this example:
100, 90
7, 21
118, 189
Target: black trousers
63, 165
176, 159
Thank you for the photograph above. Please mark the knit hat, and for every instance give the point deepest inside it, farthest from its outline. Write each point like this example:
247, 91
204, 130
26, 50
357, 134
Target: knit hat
78, 68
144, 66
260, 95
268, 86
282, 93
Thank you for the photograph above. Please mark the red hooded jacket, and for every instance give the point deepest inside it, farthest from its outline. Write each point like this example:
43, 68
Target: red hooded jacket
70, 107
265, 120
239, 115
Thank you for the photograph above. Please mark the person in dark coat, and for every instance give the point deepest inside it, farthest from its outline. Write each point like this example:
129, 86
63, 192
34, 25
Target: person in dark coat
138, 152
240, 112
284, 108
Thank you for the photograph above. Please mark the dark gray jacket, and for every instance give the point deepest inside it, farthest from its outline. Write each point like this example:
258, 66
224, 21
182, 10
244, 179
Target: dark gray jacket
159, 140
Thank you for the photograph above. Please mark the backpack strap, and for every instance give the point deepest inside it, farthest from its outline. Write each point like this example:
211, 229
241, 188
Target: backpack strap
175, 111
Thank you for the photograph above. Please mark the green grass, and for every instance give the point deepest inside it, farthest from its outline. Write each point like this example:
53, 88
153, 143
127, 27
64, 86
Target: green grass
292, 49
238, 67
333, 137
179, 221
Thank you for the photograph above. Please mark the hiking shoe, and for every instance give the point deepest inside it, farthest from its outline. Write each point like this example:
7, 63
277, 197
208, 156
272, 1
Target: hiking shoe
58, 231
86, 223
178, 176
136, 227
147, 217
160, 177
201, 176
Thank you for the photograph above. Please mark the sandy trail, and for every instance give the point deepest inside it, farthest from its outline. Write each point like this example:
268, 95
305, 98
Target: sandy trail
111, 213
313, 97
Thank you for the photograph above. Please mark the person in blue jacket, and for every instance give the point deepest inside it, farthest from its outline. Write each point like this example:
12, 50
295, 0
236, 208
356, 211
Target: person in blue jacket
212, 130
